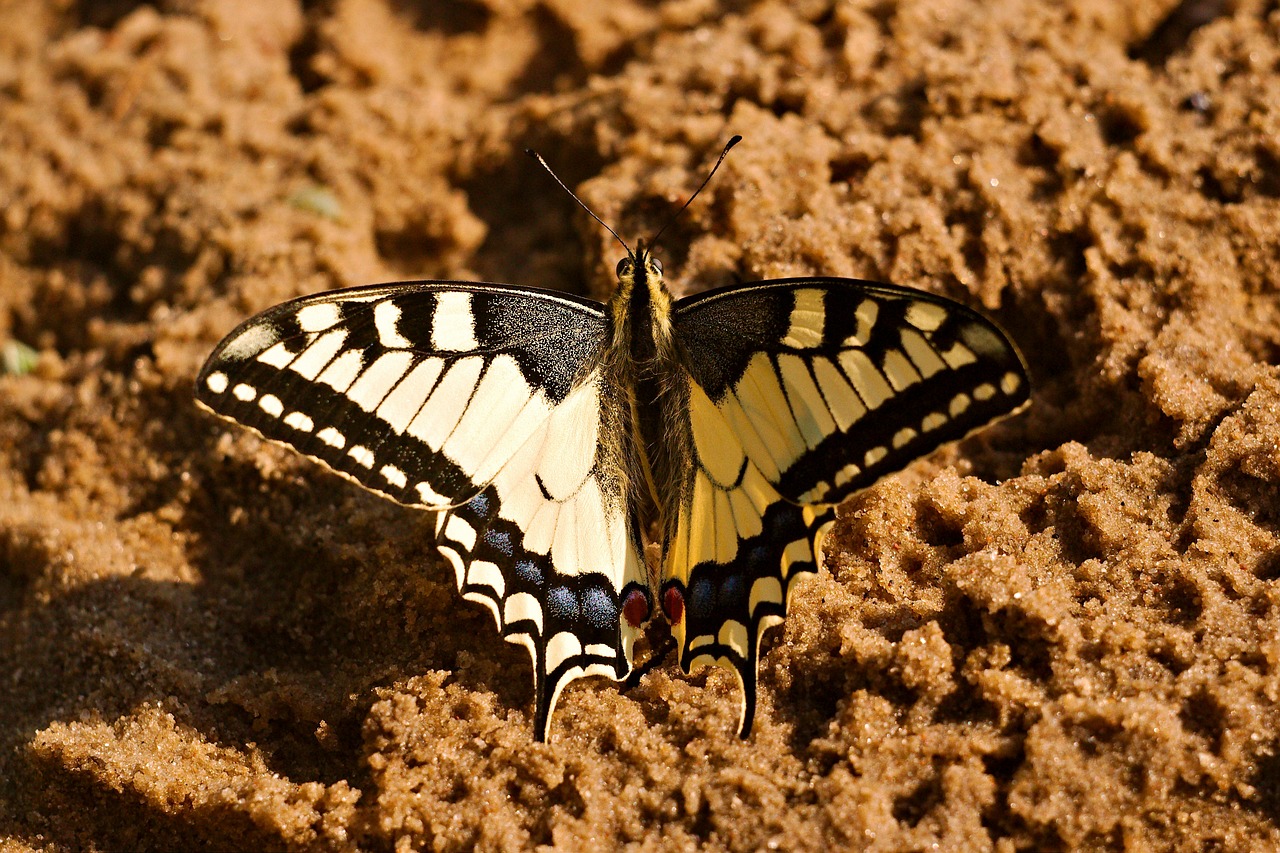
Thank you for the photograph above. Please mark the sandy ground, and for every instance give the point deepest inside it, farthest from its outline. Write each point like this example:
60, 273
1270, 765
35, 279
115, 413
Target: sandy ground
1062, 634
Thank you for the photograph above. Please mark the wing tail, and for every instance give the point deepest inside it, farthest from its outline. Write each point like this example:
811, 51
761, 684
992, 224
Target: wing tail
728, 606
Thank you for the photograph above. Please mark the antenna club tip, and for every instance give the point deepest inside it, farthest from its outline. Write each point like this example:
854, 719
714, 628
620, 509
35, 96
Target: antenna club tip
733, 140
531, 153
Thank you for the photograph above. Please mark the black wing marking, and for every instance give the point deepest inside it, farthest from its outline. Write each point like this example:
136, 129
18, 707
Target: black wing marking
830, 384
800, 392
419, 391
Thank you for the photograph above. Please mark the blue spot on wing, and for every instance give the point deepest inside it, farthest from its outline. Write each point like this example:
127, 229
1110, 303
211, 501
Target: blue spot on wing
599, 609
480, 505
500, 541
529, 572
702, 599
562, 604
733, 599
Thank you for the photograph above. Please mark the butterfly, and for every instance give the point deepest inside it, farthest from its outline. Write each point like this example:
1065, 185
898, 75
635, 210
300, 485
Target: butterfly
550, 433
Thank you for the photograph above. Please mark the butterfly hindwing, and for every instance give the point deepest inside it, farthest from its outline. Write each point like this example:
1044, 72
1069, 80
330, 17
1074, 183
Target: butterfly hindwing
484, 402
551, 547
797, 394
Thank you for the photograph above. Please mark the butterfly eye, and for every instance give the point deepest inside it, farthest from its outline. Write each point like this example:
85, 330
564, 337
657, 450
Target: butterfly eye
657, 265
624, 267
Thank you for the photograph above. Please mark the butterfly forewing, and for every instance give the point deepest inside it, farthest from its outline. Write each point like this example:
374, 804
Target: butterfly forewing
418, 391
830, 384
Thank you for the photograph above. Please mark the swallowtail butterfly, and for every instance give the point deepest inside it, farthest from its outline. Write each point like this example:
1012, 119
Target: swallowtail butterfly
549, 433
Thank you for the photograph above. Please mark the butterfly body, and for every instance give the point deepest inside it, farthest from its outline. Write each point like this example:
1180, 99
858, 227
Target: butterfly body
549, 433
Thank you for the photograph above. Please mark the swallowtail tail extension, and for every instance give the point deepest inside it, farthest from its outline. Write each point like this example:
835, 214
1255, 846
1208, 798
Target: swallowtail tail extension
549, 433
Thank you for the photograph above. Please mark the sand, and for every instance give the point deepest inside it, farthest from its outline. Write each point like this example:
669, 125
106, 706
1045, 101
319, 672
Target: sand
1061, 634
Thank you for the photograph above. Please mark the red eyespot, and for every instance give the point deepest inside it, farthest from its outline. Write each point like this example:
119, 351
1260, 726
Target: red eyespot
673, 604
635, 608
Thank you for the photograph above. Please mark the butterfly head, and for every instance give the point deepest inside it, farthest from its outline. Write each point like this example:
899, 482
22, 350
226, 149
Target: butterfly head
639, 267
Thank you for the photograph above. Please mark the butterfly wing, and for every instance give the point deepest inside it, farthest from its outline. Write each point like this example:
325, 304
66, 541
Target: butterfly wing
485, 402
800, 393
552, 548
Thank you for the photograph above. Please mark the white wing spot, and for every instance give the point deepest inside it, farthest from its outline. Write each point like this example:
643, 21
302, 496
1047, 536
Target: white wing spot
453, 325
765, 590
461, 532
332, 437
278, 356
926, 316
400, 406
959, 404
932, 421
734, 635
251, 341
816, 494
394, 476
721, 456
459, 568
244, 393
271, 404
217, 382
299, 421
866, 379
798, 551
487, 600
1010, 382
440, 414
984, 392
343, 370
903, 437
866, 314
361, 454
430, 496
560, 648
921, 354
899, 370
812, 416
846, 474
491, 425
807, 319
386, 318
522, 606
484, 573
318, 354
845, 406
874, 455
958, 356
317, 318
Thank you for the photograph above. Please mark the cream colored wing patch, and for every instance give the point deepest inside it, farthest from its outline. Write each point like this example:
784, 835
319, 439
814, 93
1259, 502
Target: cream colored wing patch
551, 548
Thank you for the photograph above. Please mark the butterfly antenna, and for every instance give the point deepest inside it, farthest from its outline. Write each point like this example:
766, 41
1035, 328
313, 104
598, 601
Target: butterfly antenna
732, 142
535, 155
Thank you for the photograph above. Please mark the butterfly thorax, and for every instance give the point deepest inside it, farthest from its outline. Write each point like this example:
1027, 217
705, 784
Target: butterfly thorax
643, 352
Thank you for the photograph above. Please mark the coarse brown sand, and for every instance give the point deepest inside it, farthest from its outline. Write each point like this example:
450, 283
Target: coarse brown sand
1061, 634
